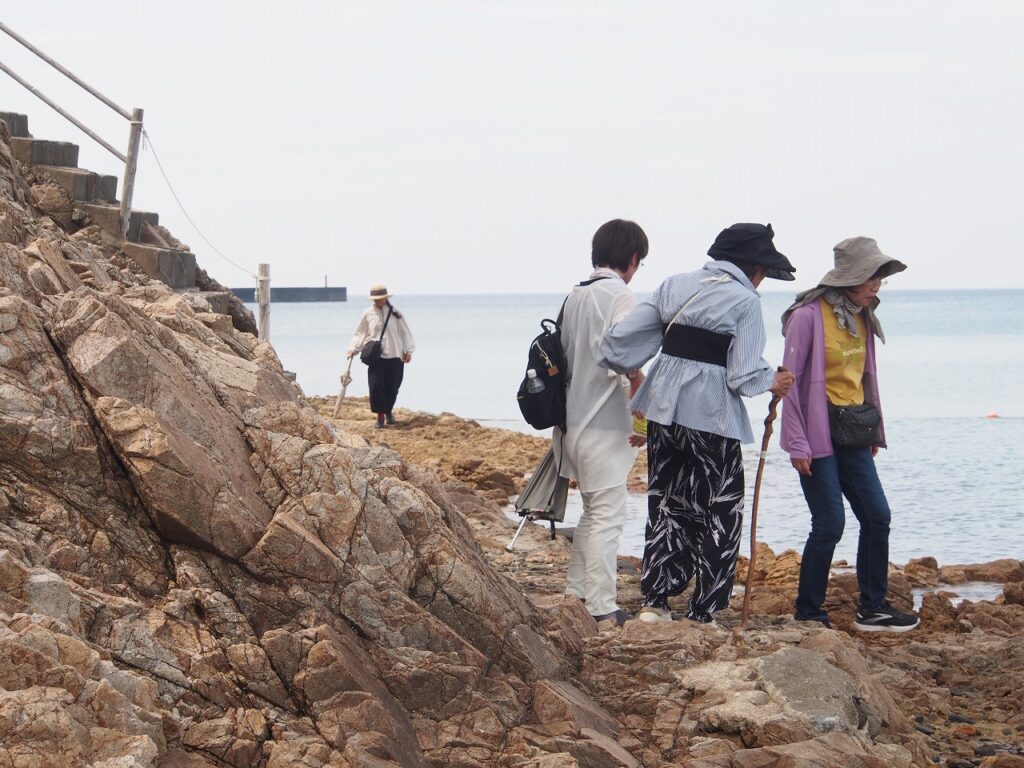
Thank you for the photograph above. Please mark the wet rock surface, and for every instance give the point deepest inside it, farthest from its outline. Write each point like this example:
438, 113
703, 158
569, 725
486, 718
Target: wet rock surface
198, 568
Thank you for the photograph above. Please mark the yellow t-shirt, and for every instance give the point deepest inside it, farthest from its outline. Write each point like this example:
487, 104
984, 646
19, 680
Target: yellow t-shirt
844, 359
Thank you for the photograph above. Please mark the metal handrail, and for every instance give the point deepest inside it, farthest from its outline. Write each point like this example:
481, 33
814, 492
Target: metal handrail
131, 160
67, 116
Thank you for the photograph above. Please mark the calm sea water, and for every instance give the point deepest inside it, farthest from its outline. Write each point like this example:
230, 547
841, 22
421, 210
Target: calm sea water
953, 476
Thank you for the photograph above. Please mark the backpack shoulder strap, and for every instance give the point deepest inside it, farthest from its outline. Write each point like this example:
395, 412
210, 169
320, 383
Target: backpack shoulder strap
584, 284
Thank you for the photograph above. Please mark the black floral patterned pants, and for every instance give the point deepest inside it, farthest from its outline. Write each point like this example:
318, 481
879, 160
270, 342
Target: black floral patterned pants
694, 517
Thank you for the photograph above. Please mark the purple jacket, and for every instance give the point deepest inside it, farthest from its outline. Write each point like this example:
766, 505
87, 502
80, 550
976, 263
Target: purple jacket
805, 432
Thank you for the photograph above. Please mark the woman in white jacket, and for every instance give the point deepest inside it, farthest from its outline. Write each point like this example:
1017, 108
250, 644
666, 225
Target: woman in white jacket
383, 322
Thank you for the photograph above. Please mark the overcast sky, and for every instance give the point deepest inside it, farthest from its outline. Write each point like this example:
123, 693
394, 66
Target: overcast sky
474, 147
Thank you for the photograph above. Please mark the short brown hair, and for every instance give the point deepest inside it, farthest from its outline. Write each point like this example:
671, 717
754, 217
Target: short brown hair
615, 242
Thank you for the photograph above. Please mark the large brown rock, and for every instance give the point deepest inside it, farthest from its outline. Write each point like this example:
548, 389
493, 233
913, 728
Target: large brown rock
186, 454
53, 201
192, 497
875, 705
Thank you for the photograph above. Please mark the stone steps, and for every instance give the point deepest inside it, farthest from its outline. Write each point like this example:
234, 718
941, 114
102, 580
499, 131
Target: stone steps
83, 186
174, 268
95, 199
108, 217
17, 124
41, 152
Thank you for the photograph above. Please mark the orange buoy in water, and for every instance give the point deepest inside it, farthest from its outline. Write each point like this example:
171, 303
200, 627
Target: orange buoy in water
991, 415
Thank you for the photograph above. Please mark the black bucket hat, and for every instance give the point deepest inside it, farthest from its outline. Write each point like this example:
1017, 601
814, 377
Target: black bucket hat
752, 243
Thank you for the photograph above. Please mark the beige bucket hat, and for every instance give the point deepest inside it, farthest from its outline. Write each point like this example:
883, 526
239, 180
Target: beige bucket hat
378, 291
856, 260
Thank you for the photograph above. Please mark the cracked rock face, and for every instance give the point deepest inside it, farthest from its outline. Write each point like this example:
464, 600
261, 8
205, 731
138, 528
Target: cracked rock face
197, 569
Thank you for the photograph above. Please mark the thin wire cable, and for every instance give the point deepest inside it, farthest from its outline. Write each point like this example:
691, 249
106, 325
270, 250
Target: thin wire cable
148, 141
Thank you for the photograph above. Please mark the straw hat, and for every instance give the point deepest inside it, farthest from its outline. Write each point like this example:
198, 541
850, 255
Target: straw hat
378, 291
857, 259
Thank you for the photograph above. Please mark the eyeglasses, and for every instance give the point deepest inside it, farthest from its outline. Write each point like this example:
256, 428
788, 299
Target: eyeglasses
876, 282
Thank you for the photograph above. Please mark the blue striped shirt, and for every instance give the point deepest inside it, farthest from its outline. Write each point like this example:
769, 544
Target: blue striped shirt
697, 395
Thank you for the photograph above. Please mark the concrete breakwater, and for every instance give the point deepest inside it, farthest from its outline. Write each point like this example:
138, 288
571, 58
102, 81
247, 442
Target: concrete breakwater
295, 294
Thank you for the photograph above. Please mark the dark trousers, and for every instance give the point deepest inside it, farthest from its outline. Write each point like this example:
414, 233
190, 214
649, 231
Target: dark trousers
849, 472
385, 377
694, 517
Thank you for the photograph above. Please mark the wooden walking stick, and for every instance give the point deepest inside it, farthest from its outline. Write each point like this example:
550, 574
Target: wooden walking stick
346, 379
772, 406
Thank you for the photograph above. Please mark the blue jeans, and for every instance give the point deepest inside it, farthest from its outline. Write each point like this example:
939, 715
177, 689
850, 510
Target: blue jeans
849, 472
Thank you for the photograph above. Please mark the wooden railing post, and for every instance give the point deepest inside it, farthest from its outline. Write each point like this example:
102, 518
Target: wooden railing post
263, 299
131, 163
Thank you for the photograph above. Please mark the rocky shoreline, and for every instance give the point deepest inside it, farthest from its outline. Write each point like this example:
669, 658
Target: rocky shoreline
964, 707
494, 462
200, 569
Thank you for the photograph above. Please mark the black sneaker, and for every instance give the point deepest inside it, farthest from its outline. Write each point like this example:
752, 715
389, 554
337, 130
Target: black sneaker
885, 619
391, 418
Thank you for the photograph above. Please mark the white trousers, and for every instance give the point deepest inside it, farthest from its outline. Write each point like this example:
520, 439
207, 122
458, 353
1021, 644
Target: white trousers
593, 560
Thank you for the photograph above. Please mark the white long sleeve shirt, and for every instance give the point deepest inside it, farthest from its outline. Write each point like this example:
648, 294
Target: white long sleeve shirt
595, 448
398, 339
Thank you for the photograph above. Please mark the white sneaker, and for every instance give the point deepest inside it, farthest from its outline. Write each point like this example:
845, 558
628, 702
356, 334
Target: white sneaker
652, 613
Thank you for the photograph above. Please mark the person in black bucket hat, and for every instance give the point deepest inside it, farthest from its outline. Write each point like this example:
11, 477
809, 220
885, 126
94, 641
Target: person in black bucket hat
753, 244
710, 332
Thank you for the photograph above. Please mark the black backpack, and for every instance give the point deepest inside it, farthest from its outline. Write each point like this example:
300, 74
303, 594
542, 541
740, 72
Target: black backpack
546, 407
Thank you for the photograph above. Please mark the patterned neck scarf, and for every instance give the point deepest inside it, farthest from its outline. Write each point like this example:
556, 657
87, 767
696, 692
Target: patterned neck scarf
813, 294
845, 311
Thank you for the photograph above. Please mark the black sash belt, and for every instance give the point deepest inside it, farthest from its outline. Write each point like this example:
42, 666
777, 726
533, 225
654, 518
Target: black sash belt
696, 344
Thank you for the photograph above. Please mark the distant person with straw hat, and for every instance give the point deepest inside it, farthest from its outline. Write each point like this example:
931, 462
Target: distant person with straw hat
384, 342
832, 429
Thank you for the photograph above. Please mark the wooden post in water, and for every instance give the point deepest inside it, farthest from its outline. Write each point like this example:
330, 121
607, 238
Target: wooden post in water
130, 165
263, 299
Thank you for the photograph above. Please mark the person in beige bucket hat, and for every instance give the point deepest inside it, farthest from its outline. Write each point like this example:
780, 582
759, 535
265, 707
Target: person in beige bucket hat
385, 326
832, 429
857, 260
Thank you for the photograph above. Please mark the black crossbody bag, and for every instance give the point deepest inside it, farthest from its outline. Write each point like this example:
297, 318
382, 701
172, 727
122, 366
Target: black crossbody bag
854, 426
374, 348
